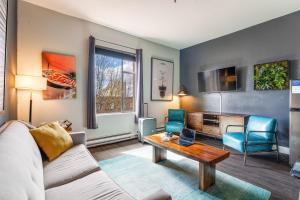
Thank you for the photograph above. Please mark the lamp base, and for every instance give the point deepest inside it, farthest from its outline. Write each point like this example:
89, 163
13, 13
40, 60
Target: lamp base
30, 108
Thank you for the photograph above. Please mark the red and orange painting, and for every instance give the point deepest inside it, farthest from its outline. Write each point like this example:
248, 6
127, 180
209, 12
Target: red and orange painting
60, 71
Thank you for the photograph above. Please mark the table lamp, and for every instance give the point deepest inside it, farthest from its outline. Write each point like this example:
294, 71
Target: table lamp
27, 82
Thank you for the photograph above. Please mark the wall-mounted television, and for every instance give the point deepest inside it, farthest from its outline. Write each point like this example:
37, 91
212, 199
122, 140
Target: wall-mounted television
219, 80
271, 76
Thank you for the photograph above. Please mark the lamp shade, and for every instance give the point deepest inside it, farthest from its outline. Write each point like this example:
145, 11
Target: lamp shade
182, 91
27, 82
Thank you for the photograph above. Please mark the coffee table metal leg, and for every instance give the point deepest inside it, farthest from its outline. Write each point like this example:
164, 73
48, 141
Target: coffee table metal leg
158, 154
207, 174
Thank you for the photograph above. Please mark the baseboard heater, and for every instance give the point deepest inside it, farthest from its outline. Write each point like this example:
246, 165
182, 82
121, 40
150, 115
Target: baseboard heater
111, 139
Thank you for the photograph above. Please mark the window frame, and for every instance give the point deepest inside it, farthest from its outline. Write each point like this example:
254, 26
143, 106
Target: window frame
122, 78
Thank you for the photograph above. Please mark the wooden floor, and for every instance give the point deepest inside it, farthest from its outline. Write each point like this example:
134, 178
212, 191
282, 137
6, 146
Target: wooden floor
262, 169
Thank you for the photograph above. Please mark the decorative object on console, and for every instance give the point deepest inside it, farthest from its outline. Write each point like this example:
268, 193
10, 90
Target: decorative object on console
3, 34
161, 80
176, 120
260, 135
26, 82
60, 71
271, 76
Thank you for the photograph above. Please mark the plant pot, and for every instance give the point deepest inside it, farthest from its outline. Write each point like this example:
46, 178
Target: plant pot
162, 91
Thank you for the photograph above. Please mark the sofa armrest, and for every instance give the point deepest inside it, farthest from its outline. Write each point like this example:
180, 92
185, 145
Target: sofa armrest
159, 195
78, 137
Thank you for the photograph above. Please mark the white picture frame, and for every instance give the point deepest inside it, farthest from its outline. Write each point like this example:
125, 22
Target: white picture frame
162, 75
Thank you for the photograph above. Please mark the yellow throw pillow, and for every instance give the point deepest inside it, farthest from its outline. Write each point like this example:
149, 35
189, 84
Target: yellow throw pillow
52, 139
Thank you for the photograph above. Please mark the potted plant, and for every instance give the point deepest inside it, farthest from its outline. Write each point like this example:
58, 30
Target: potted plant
162, 88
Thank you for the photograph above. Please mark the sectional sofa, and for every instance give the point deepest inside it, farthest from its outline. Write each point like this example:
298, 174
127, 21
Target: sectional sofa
74, 175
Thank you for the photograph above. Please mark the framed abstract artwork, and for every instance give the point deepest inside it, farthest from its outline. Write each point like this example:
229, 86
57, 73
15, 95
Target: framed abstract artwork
60, 71
161, 80
3, 34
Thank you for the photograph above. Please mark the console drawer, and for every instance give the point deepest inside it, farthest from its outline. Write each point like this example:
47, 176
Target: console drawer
212, 130
195, 121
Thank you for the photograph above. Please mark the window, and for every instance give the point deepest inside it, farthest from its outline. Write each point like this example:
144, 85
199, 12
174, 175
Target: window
115, 81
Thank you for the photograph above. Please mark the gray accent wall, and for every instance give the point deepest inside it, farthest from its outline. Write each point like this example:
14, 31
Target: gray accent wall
278, 39
10, 104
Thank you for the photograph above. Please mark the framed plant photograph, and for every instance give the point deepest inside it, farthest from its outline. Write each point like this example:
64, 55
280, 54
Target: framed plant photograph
271, 76
60, 71
3, 34
161, 80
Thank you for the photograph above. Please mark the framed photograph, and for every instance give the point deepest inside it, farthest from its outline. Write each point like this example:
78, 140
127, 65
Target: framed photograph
161, 80
60, 71
272, 76
3, 33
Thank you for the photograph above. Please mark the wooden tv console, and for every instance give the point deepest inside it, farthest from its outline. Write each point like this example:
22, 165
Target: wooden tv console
214, 124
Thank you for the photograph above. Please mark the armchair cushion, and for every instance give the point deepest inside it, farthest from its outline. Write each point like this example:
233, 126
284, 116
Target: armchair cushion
174, 126
236, 141
176, 115
258, 123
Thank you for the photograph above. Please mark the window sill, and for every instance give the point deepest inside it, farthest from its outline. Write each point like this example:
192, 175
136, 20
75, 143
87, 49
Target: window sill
115, 113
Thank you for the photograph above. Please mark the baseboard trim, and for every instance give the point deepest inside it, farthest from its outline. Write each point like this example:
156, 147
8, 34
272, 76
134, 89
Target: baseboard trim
284, 150
110, 140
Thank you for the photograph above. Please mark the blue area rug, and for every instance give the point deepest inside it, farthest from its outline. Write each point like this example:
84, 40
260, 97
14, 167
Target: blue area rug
178, 176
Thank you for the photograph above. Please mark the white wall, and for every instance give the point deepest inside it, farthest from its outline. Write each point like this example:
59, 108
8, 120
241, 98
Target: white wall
40, 30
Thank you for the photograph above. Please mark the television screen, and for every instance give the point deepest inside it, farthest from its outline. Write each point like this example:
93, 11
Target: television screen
271, 76
217, 80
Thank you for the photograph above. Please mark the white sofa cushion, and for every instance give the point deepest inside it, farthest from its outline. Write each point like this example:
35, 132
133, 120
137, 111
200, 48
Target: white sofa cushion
96, 186
71, 165
21, 167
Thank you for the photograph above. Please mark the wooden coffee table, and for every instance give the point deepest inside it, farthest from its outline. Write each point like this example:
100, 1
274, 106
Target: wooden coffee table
206, 155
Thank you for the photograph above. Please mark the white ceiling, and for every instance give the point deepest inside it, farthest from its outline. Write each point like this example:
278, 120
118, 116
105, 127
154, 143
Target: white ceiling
178, 25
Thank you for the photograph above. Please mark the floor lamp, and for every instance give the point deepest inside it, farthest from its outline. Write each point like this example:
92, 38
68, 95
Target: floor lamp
31, 83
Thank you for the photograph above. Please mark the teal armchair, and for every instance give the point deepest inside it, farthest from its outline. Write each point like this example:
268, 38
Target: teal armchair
176, 120
260, 135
